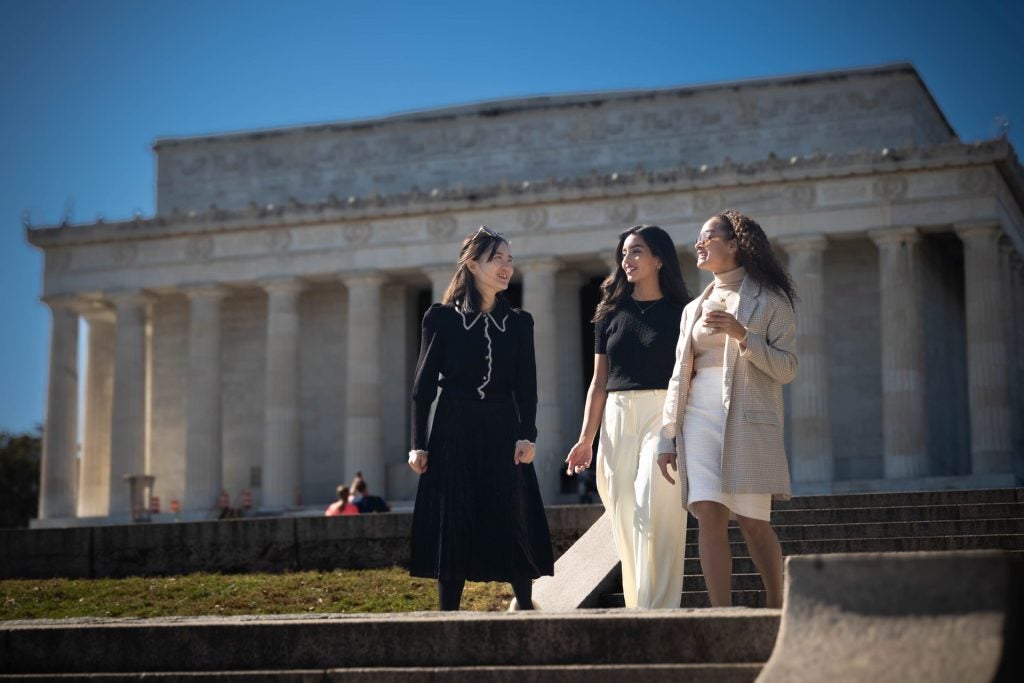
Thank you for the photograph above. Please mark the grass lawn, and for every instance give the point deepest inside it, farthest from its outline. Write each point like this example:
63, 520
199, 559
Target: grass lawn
351, 590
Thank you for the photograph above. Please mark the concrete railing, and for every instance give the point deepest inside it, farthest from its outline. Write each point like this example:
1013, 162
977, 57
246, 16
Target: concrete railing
262, 544
908, 617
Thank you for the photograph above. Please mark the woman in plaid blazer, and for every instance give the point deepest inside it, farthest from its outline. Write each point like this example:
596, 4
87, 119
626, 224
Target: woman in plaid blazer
723, 409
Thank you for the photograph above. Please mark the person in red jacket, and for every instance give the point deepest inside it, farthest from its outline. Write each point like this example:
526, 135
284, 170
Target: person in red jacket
341, 506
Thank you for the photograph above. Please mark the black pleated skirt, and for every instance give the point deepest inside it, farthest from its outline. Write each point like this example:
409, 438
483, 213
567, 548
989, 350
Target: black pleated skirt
478, 515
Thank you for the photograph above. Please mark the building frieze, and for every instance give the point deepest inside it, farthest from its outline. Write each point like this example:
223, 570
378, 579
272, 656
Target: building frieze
710, 186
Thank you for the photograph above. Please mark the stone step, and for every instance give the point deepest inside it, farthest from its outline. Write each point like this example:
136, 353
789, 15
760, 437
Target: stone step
741, 564
573, 673
745, 566
894, 499
460, 639
902, 513
881, 545
750, 581
967, 527
740, 598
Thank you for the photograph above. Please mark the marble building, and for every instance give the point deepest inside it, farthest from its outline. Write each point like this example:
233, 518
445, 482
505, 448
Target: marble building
259, 331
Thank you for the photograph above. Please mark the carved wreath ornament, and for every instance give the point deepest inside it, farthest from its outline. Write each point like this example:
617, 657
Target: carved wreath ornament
358, 233
441, 226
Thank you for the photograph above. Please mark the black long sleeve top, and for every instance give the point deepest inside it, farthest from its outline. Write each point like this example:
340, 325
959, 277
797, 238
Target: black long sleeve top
476, 356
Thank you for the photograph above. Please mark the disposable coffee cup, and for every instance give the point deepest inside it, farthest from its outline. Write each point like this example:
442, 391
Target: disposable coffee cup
712, 305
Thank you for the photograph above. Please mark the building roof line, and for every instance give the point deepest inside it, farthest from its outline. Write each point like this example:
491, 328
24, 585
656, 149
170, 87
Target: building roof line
502, 106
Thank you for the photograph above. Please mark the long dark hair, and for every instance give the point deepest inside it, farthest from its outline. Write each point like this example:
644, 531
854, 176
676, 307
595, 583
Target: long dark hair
670, 278
462, 289
755, 253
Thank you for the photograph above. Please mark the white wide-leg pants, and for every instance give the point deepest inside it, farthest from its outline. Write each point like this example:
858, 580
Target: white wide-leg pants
648, 520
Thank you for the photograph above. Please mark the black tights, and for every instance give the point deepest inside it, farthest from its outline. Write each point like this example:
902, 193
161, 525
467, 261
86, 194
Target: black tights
449, 593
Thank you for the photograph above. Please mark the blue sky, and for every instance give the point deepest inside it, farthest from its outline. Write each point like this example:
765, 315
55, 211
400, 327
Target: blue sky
86, 86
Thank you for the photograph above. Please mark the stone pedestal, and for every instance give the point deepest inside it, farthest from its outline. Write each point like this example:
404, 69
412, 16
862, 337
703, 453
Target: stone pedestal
363, 430
987, 366
94, 469
902, 330
540, 301
203, 465
282, 457
811, 433
128, 435
60, 439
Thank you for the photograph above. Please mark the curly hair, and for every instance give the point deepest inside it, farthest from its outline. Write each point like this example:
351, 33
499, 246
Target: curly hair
755, 253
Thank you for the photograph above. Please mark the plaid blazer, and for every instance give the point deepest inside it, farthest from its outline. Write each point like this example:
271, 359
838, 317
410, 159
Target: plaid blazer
753, 454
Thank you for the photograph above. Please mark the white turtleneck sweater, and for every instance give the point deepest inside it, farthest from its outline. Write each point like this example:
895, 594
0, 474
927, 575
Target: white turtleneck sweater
709, 349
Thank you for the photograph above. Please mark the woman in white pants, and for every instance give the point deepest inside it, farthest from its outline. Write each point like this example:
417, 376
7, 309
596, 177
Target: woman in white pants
636, 328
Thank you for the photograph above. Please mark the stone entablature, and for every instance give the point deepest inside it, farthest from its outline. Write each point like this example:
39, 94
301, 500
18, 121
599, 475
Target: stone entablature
834, 194
512, 141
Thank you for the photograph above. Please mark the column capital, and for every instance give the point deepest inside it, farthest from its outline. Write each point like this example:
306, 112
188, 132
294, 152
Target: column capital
63, 302
894, 236
284, 285
792, 243
204, 291
363, 278
977, 229
97, 310
438, 269
541, 264
129, 298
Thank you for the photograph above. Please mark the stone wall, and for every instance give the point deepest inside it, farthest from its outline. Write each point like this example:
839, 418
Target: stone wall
244, 322
534, 138
854, 371
271, 544
169, 370
322, 314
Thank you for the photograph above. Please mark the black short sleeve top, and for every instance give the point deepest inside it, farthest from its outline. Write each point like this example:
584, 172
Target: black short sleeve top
639, 339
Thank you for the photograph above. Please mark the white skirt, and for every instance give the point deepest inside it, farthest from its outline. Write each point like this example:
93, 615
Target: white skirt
703, 429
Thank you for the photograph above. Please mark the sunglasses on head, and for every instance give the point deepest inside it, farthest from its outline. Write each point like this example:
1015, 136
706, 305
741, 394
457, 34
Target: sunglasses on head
491, 233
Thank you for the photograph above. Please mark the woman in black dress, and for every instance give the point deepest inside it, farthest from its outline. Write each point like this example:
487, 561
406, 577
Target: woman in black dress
479, 515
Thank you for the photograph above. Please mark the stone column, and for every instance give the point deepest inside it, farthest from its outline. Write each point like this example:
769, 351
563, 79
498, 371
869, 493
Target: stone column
203, 463
57, 485
363, 432
987, 363
282, 457
570, 369
809, 416
94, 467
539, 301
1011, 298
440, 278
128, 412
1017, 343
902, 327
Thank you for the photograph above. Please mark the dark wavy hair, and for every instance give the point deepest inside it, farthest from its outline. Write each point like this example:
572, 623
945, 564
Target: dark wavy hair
755, 253
616, 287
462, 291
